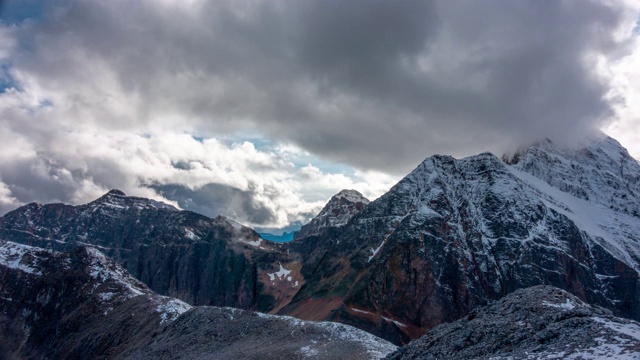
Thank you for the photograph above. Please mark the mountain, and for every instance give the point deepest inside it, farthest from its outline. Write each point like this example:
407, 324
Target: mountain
540, 322
337, 212
455, 234
451, 236
182, 254
81, 305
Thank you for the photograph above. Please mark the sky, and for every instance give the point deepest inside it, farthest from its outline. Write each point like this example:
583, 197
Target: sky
261, 110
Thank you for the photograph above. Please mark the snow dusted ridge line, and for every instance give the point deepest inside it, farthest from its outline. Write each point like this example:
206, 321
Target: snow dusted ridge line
104, 270
375, 347
336, 213
24, 258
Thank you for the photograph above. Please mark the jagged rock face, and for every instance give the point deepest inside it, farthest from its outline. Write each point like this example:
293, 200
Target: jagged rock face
540, 322
455, 234
182, 254
80, 305
337, 212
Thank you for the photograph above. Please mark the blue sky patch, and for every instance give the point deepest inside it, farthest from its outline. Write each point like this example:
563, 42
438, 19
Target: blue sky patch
14, 12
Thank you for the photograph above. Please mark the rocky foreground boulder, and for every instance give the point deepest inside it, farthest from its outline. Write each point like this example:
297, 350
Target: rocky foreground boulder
541, 322
81, 305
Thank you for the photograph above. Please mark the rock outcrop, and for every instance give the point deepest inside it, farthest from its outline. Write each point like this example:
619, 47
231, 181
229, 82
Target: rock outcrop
540, 322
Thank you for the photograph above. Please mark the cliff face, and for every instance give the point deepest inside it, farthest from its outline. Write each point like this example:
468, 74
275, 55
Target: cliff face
81, 305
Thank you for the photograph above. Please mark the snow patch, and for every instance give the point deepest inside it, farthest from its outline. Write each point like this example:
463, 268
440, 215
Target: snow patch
190, 235
383, 317
308, 351
568, 305
256, 243
170, 310
632, 330
106, 296
281, 274
375, 251
12, 256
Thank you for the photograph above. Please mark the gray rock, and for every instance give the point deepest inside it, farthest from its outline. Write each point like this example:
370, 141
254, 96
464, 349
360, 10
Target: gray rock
541, 322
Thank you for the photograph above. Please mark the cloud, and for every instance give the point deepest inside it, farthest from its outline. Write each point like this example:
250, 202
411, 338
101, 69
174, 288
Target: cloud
258, 187
213, 199
373, 84
109, 94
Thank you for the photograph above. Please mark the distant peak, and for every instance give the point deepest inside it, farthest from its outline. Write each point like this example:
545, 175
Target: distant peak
337, 212
116, 192
351, 195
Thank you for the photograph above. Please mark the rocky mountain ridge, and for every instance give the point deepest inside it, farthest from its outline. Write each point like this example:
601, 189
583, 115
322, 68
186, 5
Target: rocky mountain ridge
540, 322
182, 254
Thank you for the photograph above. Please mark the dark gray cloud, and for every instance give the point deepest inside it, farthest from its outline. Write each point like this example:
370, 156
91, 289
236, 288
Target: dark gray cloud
371, 83
216, 199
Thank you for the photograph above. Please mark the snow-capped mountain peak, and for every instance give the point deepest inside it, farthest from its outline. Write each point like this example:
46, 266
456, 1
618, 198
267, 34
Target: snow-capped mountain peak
337, 212
601, 171
118, 199
596, 185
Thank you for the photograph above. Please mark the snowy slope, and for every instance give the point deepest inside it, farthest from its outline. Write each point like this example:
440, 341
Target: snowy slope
597, 186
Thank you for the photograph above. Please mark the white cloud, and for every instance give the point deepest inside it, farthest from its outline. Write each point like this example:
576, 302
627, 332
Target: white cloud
625, 90
80, 164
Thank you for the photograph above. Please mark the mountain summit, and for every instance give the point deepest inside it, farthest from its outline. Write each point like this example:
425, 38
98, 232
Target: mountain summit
337, 212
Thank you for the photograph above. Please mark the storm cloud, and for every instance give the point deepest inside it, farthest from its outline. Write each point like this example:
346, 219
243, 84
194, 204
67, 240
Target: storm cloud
375, 85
